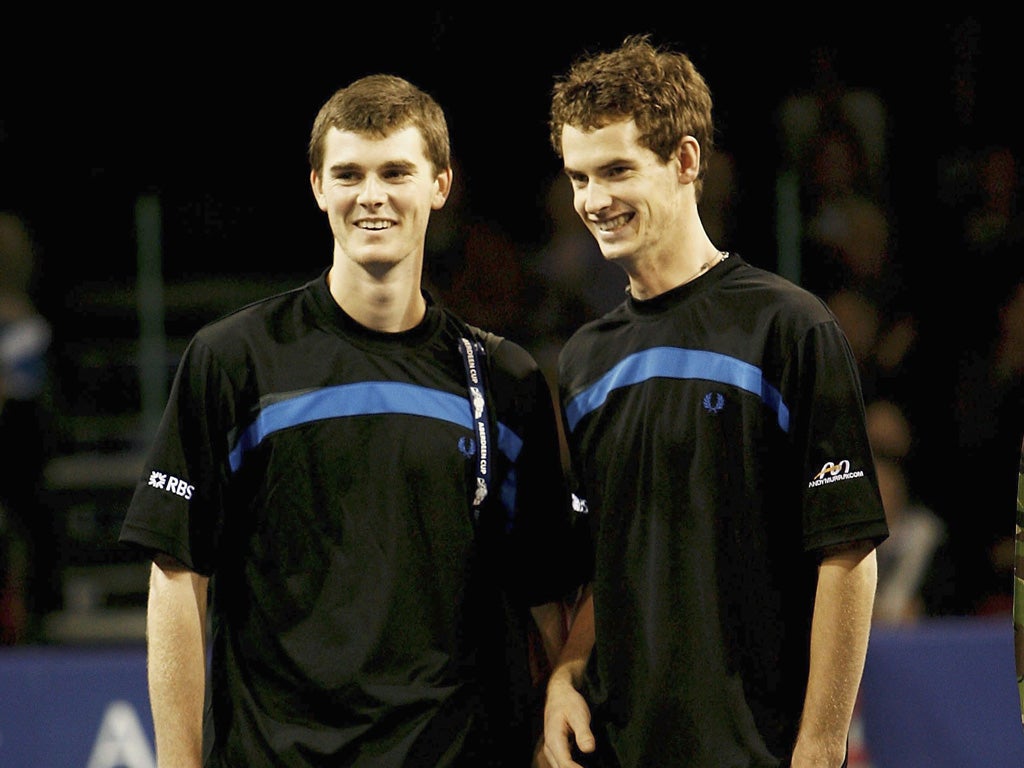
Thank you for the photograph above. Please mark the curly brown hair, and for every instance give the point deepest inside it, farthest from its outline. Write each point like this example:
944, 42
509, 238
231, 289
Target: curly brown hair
659, 89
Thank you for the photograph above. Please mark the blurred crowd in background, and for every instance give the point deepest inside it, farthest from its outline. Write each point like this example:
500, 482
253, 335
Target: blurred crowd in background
912, 236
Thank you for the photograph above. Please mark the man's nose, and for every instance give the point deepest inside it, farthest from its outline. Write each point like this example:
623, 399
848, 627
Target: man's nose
372, 192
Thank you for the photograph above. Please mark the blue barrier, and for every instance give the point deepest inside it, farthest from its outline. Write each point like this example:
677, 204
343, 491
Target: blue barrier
941, 694
69, 707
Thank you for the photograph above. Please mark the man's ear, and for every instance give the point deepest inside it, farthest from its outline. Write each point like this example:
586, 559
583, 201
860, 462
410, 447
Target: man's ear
688, 155
318, 190
442, 188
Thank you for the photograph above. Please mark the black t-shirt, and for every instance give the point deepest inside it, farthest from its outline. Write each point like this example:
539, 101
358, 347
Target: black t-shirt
718, 442
321, 474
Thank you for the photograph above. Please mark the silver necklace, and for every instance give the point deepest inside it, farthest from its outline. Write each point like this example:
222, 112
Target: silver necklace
722, 256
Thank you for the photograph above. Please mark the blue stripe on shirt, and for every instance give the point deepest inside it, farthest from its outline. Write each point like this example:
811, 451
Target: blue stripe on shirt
364, 399
675, 363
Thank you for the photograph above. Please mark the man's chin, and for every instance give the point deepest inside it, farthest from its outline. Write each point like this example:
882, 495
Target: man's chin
374, 257
613, 252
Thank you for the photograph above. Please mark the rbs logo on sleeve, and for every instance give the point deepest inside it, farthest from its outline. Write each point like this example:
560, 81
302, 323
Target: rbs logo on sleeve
171, 484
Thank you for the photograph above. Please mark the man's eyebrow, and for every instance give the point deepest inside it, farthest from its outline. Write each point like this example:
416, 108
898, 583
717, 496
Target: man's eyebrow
614, 163
398, 165
390, 165
345, 167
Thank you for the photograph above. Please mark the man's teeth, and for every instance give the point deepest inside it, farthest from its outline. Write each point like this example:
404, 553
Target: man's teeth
610, 225
374, 224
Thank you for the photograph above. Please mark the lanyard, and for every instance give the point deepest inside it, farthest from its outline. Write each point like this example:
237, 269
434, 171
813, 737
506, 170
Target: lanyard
472, 356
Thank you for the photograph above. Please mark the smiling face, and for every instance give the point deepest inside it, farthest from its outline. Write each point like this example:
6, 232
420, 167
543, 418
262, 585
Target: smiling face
631, 201
378, 194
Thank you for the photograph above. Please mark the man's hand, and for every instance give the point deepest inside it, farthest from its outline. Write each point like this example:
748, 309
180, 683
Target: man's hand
566, 718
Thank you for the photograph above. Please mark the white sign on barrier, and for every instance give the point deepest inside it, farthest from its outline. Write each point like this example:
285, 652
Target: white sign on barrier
122, 741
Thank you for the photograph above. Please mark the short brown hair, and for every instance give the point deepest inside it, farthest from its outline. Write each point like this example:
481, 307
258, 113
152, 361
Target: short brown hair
659, 89
378, 105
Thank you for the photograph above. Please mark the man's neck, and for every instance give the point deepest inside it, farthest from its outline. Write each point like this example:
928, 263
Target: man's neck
389, 305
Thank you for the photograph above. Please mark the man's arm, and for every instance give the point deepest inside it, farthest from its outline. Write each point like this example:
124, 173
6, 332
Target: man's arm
839, 641
550, 619
566, 714
176, 648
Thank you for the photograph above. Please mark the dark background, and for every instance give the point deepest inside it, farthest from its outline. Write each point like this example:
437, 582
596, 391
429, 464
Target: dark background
213, 116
